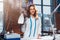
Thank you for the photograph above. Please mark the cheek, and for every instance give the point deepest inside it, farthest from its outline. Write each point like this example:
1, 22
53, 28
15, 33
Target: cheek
32, 11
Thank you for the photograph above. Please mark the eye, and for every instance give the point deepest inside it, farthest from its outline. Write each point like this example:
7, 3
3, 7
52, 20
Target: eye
32, 9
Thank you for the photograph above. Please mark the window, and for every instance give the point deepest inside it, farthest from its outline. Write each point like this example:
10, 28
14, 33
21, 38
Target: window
46, 12
1, 16
1, 6
44, 8
46, 2
37, 2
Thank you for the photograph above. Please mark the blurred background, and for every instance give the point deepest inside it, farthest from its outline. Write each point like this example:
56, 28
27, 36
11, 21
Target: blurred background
10, 11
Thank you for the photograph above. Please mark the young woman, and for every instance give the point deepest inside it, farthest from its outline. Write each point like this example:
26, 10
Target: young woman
32, 24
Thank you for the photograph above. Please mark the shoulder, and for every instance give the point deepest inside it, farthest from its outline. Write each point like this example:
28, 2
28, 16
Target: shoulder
27, 20
39, 18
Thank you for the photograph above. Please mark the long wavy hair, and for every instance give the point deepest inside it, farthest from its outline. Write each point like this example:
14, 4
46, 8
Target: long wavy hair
28, 11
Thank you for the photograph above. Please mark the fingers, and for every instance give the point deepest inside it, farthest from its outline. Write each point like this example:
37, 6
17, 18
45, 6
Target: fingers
39, 37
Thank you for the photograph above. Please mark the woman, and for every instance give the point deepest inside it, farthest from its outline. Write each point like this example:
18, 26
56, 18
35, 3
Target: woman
32, 24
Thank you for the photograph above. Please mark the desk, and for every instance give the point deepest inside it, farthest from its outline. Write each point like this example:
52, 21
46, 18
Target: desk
42, 38
57, 36
12, 36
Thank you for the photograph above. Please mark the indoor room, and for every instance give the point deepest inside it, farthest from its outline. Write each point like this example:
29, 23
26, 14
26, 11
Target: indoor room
29, 19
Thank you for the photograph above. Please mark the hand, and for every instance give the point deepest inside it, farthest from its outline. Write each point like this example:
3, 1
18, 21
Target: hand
36, 16
39, 37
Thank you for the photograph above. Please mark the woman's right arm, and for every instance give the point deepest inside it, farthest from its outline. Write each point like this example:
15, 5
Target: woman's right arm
21, 19
24, 25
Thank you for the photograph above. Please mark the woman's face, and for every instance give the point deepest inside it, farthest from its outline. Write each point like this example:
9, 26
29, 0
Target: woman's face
32, 10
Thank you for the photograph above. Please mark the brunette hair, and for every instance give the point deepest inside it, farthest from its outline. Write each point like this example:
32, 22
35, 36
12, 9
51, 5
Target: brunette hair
28, 11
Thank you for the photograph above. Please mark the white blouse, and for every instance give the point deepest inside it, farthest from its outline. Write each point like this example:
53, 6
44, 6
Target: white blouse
33, 27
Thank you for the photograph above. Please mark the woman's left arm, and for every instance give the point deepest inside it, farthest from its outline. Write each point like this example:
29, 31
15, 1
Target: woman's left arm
39, 27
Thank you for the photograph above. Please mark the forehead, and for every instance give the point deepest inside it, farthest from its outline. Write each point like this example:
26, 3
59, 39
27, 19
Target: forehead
32, 7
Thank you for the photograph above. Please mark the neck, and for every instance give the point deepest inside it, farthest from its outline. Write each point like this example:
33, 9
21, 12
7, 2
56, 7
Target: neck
32, 16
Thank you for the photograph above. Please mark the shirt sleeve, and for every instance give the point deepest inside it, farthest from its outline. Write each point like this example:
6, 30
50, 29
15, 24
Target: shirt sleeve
21, 19
24, 26
39, 26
